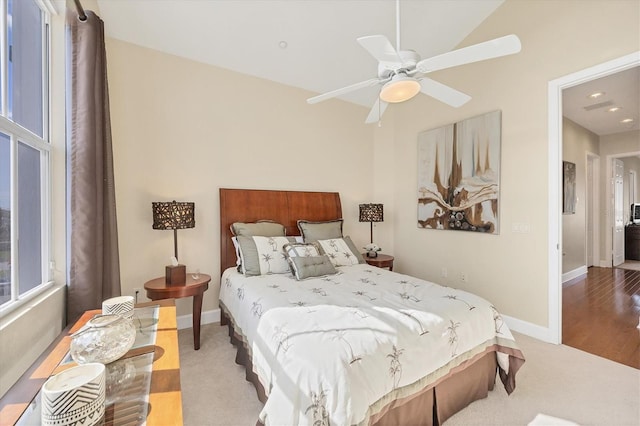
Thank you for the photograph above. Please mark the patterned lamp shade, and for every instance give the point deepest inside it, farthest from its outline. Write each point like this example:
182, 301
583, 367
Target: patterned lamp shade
174, 215
371, 213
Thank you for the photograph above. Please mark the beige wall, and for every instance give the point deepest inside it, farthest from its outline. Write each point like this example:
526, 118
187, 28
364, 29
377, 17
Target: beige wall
577, 142
182, 130
558, 38
620, 143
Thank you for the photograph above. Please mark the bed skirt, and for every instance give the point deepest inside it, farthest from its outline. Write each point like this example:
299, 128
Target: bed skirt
432, 405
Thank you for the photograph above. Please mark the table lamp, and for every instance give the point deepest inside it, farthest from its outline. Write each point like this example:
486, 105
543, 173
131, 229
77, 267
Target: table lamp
174, 215
371, 213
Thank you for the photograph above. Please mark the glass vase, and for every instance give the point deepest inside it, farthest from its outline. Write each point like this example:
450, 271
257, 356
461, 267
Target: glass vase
104, 339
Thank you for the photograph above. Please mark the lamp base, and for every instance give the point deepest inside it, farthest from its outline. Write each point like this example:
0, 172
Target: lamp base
372, 254
175, 275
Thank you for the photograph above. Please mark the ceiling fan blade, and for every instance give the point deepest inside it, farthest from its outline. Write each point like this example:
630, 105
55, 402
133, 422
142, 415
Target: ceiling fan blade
381, 48
443, 93
376, 111
343, 90
502, 46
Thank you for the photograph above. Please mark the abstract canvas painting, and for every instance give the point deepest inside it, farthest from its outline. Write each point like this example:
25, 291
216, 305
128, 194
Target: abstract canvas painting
568, 187
459, 175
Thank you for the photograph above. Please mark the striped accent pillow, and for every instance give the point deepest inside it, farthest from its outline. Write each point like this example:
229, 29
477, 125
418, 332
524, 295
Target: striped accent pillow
307, 260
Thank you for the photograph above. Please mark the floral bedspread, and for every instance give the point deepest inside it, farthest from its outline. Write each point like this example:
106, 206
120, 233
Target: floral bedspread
336, 349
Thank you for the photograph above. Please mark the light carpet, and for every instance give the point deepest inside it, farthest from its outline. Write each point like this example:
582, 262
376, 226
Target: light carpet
634, 265
556, 380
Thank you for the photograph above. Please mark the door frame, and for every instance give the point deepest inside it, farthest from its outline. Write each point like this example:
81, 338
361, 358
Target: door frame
614, 160
633, 182
554, 250
593, 212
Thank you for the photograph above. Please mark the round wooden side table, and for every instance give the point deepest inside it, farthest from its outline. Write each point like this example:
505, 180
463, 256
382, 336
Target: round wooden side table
157, 289
381, 261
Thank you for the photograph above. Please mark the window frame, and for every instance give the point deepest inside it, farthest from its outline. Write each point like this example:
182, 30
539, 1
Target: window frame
18, 134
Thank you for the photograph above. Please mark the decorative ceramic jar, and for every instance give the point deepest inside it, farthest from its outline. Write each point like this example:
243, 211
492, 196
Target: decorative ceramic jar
121, 305
74, 397
104, 338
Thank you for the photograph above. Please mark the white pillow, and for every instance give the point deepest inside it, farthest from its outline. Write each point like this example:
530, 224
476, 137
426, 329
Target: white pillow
236, 247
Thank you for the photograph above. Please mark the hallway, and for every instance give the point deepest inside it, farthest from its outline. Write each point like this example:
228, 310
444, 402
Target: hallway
600, 314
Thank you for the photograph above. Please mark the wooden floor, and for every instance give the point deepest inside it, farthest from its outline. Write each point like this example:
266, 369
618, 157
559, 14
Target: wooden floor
600, 313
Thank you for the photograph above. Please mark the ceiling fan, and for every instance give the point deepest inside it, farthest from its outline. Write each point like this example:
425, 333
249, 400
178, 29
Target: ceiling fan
402, 73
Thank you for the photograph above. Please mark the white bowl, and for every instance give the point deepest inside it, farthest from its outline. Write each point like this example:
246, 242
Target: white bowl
74, 396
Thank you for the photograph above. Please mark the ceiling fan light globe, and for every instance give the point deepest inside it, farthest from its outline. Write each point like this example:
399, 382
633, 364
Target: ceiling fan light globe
399, 89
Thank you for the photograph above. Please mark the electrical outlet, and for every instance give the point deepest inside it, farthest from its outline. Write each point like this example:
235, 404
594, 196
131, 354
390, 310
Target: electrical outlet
444, 272
463, 277
137, 295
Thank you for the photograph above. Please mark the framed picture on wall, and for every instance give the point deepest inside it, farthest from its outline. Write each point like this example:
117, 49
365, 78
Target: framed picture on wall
459, 175
568, 187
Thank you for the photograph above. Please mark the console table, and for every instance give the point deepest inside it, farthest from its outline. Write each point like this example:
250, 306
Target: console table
162, 403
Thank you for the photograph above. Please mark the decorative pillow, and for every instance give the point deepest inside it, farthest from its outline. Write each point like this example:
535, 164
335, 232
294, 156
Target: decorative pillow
314, 231
263, 255
299, 249
341, 251
236, 248
263, 228
304, 267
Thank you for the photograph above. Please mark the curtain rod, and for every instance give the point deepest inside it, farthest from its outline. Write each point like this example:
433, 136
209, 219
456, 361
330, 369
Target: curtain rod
81, 15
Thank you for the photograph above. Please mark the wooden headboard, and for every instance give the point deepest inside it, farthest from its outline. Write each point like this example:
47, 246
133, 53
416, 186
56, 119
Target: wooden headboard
285, 207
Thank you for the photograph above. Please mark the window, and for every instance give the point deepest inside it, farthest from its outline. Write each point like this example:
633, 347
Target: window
24, 151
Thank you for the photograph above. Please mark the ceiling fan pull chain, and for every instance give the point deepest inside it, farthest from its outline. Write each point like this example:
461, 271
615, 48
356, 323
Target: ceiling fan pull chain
398, 25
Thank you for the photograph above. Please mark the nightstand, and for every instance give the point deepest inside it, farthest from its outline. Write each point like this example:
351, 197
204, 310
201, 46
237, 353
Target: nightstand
158, 289
381, 261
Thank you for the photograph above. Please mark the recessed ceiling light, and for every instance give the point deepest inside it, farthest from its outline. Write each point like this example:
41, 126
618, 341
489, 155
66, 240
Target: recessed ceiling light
627, 120
596, 95
614, 109
283, 44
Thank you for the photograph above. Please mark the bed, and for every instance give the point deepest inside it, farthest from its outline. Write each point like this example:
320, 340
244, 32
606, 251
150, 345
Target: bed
359, 346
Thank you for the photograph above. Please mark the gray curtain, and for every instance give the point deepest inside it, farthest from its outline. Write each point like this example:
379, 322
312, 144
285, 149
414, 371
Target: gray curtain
92, 246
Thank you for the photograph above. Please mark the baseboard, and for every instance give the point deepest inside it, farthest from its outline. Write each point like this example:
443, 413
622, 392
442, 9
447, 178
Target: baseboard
574, 274
531, 330
207, 317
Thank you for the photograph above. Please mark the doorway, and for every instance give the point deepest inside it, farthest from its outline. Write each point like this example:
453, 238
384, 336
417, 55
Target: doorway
555, 89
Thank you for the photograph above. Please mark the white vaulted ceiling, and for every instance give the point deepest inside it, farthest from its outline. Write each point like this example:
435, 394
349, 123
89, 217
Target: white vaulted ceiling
321, 52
